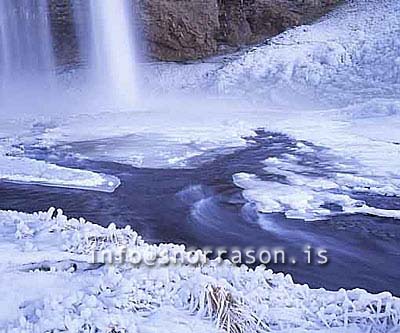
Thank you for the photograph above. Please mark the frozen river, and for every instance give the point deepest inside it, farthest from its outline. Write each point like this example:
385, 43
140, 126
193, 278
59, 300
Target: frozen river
201, 206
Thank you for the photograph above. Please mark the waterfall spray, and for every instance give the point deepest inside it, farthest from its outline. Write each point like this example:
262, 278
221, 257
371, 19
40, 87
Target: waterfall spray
27, 64
26, 53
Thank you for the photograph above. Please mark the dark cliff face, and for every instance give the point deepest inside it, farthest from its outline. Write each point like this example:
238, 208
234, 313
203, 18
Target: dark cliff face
192, 29
65, 26
178, 30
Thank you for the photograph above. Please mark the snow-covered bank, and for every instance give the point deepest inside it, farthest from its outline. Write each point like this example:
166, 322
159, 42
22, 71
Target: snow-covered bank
347, 57
338, 85
50, 283
340, 75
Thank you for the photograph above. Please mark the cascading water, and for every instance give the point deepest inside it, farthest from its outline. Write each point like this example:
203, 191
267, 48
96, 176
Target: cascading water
26, 55
27, 64
113, 55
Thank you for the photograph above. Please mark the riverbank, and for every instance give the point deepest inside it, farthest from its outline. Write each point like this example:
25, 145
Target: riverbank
50, 257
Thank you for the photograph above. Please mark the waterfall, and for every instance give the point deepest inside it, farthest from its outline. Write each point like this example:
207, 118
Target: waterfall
113, 56
26, 53
27, 64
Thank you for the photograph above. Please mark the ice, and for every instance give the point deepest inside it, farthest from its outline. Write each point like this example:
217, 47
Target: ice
336, 83
308, 189
312, 82
28, 171
349, 48
50, 258
157, 137
323, 83
302, 199
340, 75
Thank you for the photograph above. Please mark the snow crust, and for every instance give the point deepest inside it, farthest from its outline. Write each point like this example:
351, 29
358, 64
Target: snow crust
49, 282
341, 76
349, 53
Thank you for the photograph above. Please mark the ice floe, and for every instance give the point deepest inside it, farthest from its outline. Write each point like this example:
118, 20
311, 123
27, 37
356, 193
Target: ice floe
307, 188
29, 171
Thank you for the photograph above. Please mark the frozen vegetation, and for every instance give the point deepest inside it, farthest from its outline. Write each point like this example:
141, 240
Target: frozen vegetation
50, 283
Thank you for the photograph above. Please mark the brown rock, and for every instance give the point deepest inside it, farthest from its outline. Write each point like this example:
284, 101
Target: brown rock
176, 30
192, 29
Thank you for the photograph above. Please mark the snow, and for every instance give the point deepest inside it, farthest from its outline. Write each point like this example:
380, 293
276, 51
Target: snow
306, 191
349, 49
50, 259
336, 84
28, 171
340, 74
15, 167
343, 71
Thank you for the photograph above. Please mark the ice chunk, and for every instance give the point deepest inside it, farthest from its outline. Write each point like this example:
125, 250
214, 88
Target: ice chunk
29, 171
307, 190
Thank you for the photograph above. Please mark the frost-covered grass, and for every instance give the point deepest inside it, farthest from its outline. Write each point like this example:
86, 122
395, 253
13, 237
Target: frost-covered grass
49, 283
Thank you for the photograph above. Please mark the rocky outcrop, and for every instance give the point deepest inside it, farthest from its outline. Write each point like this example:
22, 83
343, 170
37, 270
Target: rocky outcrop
191, 29
252, 21
176, 30
64, 29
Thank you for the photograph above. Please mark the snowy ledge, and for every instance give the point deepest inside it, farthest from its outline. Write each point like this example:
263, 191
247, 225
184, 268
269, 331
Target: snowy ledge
28, 171
49, 283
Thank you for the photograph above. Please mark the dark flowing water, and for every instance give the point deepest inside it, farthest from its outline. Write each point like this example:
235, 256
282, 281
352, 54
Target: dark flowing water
202, 207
